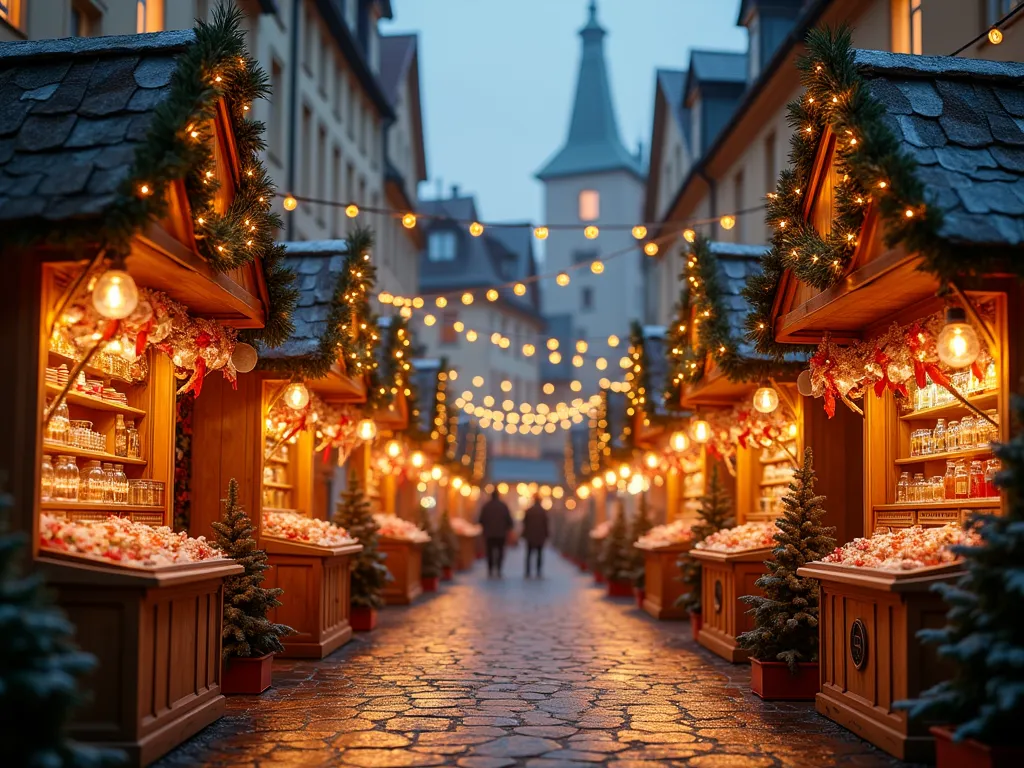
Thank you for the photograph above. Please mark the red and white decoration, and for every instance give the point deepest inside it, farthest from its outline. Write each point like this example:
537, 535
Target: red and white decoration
741, 538
904, 549
394, 527
668, 535
292, 526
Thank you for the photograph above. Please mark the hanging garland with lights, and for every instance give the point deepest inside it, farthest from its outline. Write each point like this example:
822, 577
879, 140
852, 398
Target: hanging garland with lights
399, 374
871, 170
678, 353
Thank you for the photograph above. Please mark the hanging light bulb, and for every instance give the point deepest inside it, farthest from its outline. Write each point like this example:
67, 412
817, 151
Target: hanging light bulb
651, 460
679, 442
409, 220
597, 267
562, 279
352, 210
651, 249
519, 289
701, 431
689, 235
296, 396
625, 471
995, 36
492, 295
435, 473
590, 232
597, 482
541, 233
610, 477
727, 221
583, 491
457, 482
393, 449
476, 229
115, 295
766, 399
957, 344
290, 203
639, 232
417, 459
366, 430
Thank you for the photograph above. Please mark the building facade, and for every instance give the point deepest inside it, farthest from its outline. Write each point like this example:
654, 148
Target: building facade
329, 116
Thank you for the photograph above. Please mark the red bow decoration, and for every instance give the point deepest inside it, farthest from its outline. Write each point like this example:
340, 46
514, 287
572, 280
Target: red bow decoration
143, 337
821, 360
923, 369
203, 340
885, 382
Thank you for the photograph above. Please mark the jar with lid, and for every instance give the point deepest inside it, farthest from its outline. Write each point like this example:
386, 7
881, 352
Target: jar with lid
108, 487
120, 436
962, 480
903, 488
120, 485
94, 483
949, 481
917, 488
991, 468
46, 478
936, 486
57, 429
66, 478
926, 442
81, 433
953, 436
939, 437
968, 436
134, 444
977, 480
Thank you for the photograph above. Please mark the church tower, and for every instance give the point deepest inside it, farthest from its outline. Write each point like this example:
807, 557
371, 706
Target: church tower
592, 180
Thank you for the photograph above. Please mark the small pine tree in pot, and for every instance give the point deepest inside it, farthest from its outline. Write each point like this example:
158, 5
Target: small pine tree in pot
715, 514
984, 635
39, 668
250, 638
617, 559
784, 641
369, 574
449, 544
430, 567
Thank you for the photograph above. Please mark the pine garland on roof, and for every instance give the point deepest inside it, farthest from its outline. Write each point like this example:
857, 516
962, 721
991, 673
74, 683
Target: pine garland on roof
678, 352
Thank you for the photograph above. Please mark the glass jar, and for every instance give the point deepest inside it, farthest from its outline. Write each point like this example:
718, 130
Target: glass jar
268, 474
962, 480
903, 488
134, 444
46, 479
57, 429
991, 468
949, 481
968, 435
108, 486
94, 483
936, 489
990, 376
81, 433
939, 437
977, 480
953, 436
120, 485
991, 430
68, 478
926, 442
120, 436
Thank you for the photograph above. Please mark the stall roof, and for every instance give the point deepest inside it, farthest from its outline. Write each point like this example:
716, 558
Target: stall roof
962, 120
736, 263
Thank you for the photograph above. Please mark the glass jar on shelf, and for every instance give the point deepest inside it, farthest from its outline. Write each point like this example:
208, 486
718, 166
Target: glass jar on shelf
939, 437
953, 436
968, 433
120, 436
990, 376
962, 480
903, 488
927, 442
94, 483
108, 488
81, 433
66, 478
134, 444
59, 426
977, 480
949, 481
936, 489
46, 479
120, 485
268, 474
991, 469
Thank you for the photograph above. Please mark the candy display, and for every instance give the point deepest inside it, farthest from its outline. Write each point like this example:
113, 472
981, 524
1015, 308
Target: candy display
740, 539
678, 532
394, 527
122, 541
295, 527
465, 528
903, 549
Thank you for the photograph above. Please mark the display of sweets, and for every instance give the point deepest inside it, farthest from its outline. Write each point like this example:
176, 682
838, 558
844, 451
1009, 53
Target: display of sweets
963, 479
965, 434
679, 532
295, 527
741, 538
394, 527
601, 530
122, 541
465, 528
903, 549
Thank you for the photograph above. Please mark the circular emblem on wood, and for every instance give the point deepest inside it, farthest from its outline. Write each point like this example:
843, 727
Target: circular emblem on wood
718, 596
859, 644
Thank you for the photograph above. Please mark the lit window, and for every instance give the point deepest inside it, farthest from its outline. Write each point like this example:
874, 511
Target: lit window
590, 205
149, 15
441, 246
11, 12
916, 12
448, 333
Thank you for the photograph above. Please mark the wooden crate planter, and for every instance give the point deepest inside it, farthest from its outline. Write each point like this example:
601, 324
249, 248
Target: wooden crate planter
620, 588
662, 584
156, 634
870, 657
773, 681
316, 583
726, 577
973, 754
465, 555
363, 618
404, 560
246, 676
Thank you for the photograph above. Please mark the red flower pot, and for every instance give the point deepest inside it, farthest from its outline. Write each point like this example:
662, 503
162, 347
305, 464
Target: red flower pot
620, 588
695, 624
362, 619
430, 583
973, 754
641, 595
773, 681
446, 574
246, 675
598, 577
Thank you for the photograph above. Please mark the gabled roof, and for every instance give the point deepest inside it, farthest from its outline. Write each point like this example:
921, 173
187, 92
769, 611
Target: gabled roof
735, 263
729, 67
399, 61
962, 120
669, 86
72, 114
593, 144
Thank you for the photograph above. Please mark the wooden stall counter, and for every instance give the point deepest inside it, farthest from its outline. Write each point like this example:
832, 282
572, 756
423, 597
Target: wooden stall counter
318, 585
726, 577
466, 555
662, 581
870, 657
404, 561
156, 633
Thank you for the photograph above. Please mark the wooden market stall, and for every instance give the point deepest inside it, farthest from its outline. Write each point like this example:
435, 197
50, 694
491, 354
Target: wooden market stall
284, 432
909, 234
117, 297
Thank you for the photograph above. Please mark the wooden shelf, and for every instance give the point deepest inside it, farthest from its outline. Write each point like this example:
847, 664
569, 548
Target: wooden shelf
82, 506
89, 369
85, 453
980, 451
980, 400
281, 509
780, 460
275, 459
282, 486
95, 403
988, 502
769, 483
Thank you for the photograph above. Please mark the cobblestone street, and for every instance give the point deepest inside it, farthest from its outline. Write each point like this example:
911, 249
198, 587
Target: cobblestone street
549, 673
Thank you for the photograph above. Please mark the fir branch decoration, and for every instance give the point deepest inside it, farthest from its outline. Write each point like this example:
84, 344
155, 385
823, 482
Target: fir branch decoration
247, 633
715, 515
678, 352
786, 616
369, 574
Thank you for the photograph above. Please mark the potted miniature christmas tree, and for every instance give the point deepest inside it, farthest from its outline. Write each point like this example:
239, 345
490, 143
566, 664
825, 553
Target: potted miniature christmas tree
983, 639
715, 513
430, 564
641, 525
449, 544
39, 668
250, 638
369, 574
784, 641
616, 558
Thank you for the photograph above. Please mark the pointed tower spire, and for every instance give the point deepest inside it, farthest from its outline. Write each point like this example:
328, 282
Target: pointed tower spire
593, 143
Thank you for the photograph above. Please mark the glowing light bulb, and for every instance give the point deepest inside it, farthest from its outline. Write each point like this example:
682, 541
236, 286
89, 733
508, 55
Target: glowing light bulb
727, 222
552, 344
471, 336
506, 386
583, 492
441, 302
115, 295
651, 460
597, 267
541, 233
549, 388
296, 396
467, 298
352, 210
290, 203
519, 289
792, 430
610, 477
492, 295
591, 232
366, 430
555, 358
393, 449
689, 235
651, 249
679, 442
597, 482
529, 349
581, 346
417, 459
613, 341
476, 229
701, 431
562, 279
957, 344
766, 399
435, 473
639, 232
995, 36
457, 482
429, 320
478, 381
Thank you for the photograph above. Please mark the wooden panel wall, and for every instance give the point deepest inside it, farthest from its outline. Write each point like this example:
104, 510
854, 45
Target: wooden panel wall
839, 454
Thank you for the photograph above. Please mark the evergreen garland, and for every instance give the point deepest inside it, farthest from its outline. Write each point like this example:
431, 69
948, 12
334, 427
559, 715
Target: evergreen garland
639, 378
247, 633
39, 668
448, 541
786, 616
641, 525
871, 169
678, 352
397, 373
617, 556
984, 632
431, 555
369, 574
715, 515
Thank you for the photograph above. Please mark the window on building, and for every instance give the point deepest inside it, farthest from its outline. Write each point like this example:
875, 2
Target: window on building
770, 171
277, 110
353, 105
350, 183
84, 19
581, 256
441, 246
737, 206
149, 15
590, 205
586, 299
306, 141
337, 193
308, 35
907, 20
321, 172
997, 9
340, 79
448, 333
13, 12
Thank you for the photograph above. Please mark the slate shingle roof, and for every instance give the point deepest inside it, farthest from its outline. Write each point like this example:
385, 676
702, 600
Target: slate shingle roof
735, 263
317, 266
72, 113
962, 120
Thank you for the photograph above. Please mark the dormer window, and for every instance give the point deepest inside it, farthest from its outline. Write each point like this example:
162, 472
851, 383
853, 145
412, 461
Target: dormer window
441, 246
590, 205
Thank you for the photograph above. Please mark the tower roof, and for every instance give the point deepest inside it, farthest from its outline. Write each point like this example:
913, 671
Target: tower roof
593, 143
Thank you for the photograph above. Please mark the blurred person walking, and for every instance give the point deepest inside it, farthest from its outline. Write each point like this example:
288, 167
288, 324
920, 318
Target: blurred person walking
535, 532
496, 521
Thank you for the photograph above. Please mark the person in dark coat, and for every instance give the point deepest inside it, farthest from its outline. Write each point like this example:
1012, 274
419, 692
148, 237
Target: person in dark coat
535, 532
496, 521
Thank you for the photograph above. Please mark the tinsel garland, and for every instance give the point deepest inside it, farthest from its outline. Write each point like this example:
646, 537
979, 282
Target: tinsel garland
871, 170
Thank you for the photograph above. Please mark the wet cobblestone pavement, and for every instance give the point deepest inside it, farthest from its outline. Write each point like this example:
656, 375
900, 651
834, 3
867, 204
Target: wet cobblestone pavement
489, 674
